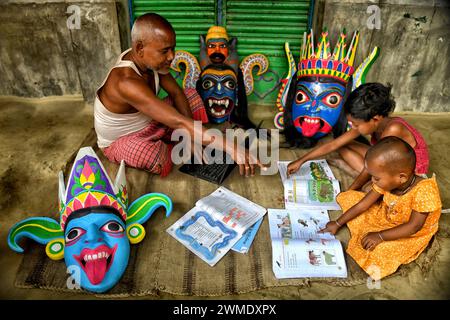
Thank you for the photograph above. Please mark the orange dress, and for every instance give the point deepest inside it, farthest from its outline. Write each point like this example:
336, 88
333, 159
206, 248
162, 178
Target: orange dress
392, 211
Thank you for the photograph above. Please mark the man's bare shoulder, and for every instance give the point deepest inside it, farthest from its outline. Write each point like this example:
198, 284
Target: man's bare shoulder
118, 81
124, 74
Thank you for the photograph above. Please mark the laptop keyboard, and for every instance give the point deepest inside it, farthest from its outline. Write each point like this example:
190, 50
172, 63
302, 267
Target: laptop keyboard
215, 173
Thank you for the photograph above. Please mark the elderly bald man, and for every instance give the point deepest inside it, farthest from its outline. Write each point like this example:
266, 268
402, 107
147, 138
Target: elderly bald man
131, 122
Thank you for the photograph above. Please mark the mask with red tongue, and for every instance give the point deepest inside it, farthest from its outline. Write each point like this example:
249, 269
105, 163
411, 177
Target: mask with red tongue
311, 97
96, 225
96, 270
98, 247
317, 105
96, 263
308, 126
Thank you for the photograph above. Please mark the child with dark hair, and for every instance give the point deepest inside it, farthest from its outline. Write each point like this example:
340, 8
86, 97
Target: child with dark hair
394, 231
368, 110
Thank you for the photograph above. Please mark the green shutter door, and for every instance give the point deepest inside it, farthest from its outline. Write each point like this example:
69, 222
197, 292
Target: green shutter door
263, 27
190, 18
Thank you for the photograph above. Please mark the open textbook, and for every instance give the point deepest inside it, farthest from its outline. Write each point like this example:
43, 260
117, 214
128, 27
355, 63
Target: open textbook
216, 223
312, 186
298, 251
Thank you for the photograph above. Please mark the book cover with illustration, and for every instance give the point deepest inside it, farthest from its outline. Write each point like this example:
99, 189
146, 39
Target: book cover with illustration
216, 224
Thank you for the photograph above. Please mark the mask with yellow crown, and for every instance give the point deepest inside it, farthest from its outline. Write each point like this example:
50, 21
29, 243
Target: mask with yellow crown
220, 80
310, 100
96, 224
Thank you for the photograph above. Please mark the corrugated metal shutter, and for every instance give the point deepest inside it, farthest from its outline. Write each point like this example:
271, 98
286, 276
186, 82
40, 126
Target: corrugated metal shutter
190, 18
263, 26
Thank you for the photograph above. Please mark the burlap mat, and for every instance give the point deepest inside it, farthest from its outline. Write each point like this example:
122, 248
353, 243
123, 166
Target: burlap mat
160, 263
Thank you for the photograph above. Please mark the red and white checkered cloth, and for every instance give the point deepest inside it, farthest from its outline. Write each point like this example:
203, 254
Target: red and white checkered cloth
150, 148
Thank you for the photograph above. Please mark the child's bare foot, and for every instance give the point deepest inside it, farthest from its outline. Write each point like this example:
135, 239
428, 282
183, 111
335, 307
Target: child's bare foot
341, 164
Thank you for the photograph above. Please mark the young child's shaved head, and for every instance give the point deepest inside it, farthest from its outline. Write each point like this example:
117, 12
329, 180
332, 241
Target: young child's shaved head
395, 154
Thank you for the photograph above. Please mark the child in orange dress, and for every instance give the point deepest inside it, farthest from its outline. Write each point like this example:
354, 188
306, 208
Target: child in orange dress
395, 230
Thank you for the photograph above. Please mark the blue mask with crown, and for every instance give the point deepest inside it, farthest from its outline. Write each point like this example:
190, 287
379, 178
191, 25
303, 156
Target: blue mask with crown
96, 224
316, 92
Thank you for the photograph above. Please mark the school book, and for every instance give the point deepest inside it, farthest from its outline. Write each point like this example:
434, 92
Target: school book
243, 244
215, 224
298, 251
312, 186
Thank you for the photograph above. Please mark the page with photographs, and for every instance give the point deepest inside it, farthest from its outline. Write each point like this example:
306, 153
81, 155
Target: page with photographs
312, 186
298, 250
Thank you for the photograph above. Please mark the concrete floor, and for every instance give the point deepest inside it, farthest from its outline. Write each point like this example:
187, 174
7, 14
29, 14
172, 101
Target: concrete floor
40, 135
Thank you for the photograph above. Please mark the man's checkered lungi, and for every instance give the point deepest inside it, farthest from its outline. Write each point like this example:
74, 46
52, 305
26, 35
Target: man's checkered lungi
150, 148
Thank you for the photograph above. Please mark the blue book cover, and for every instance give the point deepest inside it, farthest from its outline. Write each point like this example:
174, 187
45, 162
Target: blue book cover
243, 245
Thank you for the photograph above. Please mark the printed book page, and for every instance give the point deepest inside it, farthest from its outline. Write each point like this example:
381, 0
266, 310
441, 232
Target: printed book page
232, 209
213, 226
313, 186
299, 259
305, 171
298, 250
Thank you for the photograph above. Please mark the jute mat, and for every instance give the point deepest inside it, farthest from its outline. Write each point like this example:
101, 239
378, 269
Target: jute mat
162, 264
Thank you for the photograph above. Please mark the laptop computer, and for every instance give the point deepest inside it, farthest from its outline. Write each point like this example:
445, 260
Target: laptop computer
215, 173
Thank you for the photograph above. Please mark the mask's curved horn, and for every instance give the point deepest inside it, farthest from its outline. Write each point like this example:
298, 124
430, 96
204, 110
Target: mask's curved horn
42, 230
192, 71
203, 58
233, 59
120, 184
359, 76
141, 210
247, 65
285, 84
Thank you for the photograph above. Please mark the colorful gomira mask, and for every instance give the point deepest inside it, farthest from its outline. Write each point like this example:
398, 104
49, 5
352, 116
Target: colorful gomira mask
311, 100
222, 83
218, 92
96, 225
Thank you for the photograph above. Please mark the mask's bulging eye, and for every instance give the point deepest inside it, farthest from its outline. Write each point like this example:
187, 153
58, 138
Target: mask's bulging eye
207, 84
332, 100
112, 227
301, 97
230, 84
74, 234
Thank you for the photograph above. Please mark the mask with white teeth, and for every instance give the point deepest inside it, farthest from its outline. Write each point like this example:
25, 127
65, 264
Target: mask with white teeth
312, 95
217, 88
96, 225
222, 82
317, 106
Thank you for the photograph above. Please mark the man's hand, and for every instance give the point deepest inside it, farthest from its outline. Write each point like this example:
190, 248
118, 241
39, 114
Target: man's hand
371, 240
246, 162
331, 227
294, 166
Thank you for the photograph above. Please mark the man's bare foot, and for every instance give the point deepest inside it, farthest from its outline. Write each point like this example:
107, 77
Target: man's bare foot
341, 164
